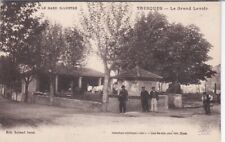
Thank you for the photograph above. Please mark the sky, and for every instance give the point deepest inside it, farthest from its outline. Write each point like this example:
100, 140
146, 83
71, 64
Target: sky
204, 15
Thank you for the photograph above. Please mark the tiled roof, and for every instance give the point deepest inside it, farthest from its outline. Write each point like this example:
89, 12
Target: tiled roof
137, 74
68, 70
90, 72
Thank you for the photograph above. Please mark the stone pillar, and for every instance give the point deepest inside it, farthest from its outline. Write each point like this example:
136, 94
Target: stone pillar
166, 102
159, 85
72, 86
51, 90
205, 87
138, 87
56, 83
37, 84
23, 87
215, 88
178, 101
80, 82
99, 81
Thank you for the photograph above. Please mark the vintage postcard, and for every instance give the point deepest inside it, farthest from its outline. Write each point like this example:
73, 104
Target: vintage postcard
110, 71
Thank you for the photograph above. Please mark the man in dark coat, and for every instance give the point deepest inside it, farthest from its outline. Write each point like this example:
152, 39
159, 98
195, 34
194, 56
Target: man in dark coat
123, 97
206, 99
144, 100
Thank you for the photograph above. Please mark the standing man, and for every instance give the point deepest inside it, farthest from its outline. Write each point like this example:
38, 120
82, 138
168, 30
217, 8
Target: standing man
123, 97
206, 99
144, 100
154, 100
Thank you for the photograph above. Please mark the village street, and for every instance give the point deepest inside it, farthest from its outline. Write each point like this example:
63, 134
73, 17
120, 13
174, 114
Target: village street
28, 121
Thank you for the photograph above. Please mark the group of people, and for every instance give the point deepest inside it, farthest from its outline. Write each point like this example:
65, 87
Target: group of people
145, 97
152, 96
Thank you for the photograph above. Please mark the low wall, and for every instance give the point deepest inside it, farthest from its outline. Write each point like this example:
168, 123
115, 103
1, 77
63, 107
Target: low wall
175, 101
43, 100
79, 104
134, 104
82, 105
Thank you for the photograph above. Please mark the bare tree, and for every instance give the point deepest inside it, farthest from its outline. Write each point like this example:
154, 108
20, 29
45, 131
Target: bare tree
103, 24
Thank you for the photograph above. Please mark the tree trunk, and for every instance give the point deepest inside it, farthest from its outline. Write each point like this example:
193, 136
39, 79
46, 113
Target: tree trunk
26, 91
51, 95
16, 96
105, 90
175, 88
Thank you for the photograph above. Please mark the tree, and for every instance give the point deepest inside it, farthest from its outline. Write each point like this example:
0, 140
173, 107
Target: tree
9, 74
185, 55
75, 50
20, 37
52, 44
59, 46
104, 30
176, 52
19, 28
139, 44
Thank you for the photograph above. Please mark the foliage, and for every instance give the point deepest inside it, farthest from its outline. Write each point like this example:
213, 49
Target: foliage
103, 31
75, 50
20, 37
61, 46
33, 44
141, 41
20, 31
9, 74
176, 52
52, 44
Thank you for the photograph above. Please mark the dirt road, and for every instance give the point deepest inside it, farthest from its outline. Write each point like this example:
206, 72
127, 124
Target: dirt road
44, 123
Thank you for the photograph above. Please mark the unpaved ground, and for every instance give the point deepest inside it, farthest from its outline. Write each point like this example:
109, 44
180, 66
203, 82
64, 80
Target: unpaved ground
46, 123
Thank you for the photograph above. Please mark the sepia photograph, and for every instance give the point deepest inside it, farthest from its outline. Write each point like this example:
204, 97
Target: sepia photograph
110, 71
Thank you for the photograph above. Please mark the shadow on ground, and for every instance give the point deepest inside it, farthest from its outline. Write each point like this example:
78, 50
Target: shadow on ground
9, 122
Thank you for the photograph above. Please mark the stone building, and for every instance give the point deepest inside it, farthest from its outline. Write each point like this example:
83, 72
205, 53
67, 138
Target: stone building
137, 77
67, 80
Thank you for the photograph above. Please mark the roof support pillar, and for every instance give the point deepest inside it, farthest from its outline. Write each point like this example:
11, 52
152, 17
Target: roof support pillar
100, 81
56, 83
80, 82
72, 86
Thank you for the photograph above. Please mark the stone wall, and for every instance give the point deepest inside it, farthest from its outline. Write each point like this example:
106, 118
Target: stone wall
78, 104
43, 100
134, 104
175, 101
82, 105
